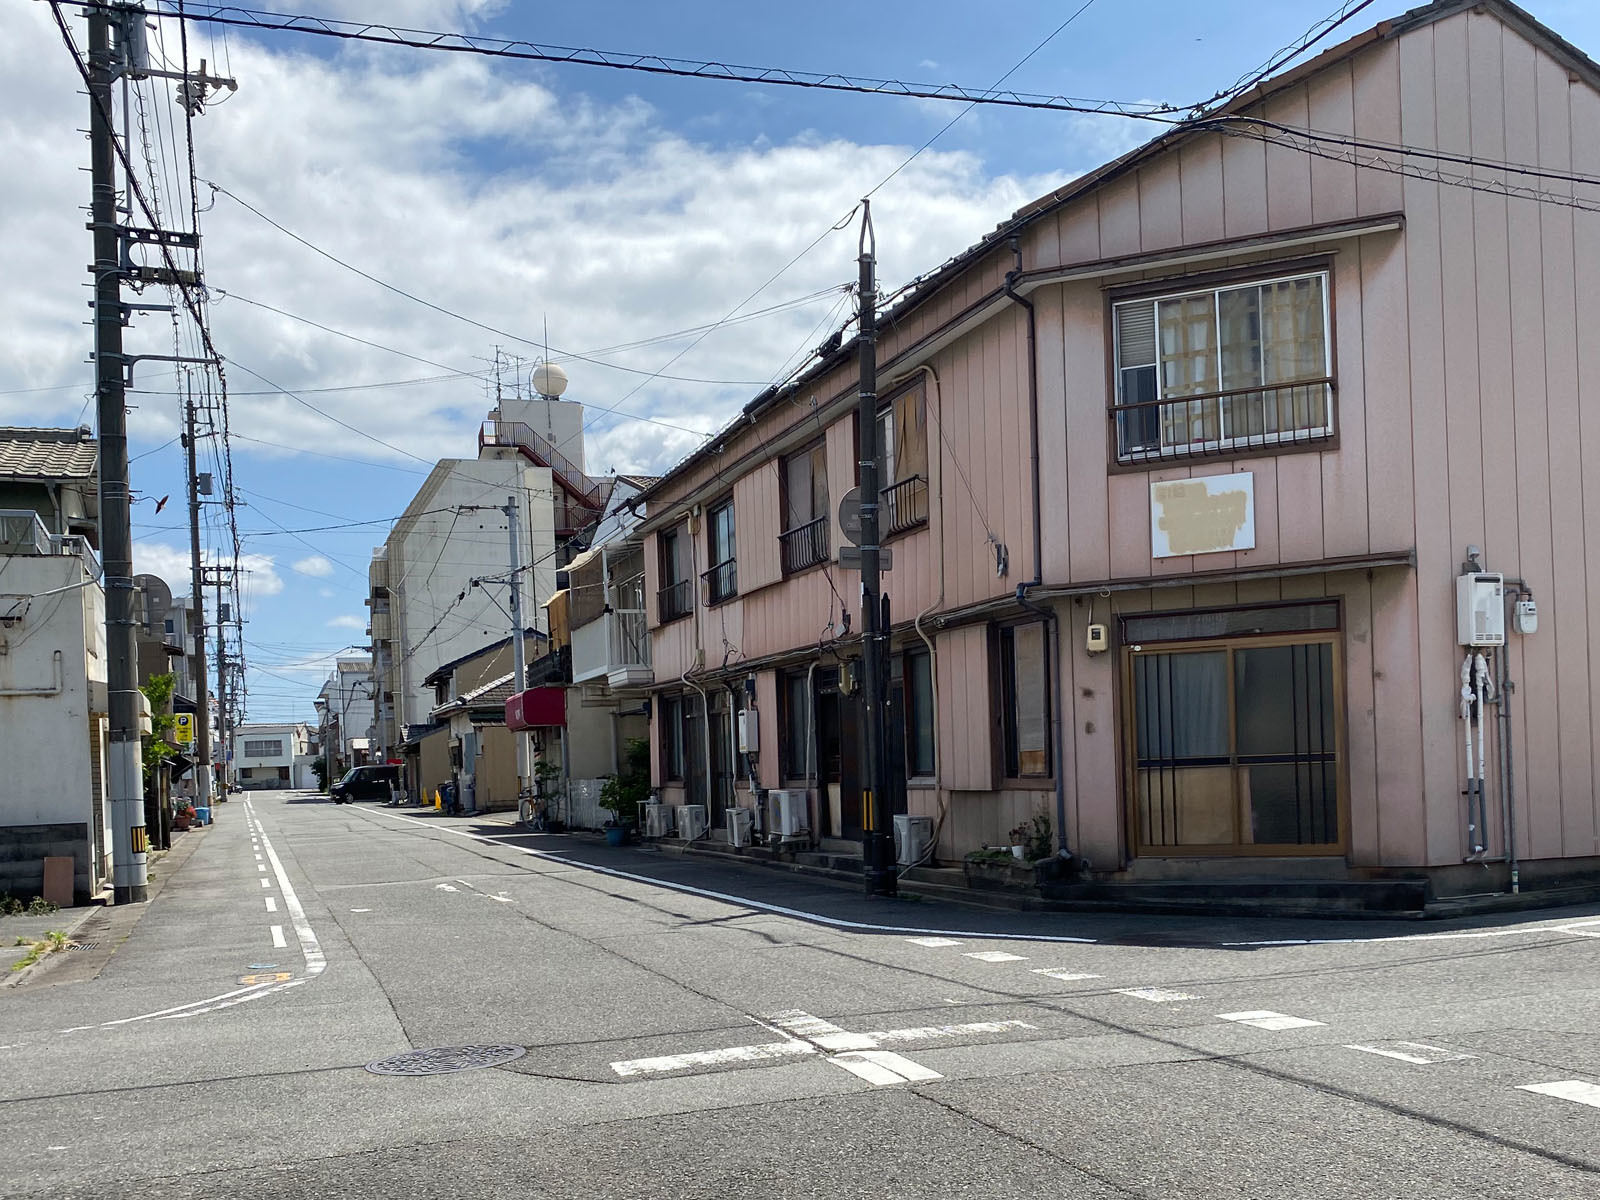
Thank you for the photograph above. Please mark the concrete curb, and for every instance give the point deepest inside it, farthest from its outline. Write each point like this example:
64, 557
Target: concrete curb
14, 979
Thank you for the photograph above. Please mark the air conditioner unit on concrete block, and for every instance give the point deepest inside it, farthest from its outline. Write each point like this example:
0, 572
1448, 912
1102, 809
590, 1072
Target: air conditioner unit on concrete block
786, 812
912, 836
691, 821
657, 820
741, 823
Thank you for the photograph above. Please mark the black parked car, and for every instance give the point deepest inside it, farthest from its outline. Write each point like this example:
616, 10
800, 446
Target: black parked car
365, 783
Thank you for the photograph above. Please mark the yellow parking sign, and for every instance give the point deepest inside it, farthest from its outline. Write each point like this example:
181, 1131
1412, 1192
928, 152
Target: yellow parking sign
183, 729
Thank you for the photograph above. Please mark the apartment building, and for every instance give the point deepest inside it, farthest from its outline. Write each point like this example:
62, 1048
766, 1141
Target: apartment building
1185, 465
426, 608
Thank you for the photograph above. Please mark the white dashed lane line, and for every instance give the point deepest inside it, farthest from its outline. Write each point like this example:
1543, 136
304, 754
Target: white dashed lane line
994, 956
272, 903
1154, 994
933, 943
1418, 1054
1064, 974
279, 942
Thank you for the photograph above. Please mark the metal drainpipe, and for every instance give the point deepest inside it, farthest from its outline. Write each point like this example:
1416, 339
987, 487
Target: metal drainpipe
1053, 651
705, 733
1504, 686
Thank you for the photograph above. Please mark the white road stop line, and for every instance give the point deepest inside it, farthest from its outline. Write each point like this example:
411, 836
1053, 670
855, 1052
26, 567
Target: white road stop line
883, 1068
857, 1053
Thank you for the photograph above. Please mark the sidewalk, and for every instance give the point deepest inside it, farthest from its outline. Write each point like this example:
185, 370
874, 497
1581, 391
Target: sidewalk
102, 927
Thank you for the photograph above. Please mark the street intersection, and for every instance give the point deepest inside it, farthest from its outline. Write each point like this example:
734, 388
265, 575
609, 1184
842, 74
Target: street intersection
622, 1023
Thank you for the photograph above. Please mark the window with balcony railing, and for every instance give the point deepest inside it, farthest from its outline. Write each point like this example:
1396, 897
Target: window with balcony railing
903, 459
804, 542
675, 598
1223, 370
722, 580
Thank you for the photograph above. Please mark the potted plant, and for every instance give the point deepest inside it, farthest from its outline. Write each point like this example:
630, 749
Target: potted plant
182, 815
1026, 860
622, 794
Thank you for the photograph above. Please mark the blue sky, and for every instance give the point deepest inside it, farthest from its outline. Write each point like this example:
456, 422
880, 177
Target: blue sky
617, 207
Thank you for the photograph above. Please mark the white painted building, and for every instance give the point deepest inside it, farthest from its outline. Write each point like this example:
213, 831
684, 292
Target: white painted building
344, 711
52, 708
426, 609
270, 757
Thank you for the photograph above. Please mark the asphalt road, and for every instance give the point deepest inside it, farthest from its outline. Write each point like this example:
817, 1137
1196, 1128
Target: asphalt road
681, 1036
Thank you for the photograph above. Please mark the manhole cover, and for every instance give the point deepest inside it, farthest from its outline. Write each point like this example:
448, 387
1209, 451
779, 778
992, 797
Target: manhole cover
441, 1060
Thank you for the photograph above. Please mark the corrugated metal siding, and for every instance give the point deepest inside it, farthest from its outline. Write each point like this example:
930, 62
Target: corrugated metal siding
968, 709
758, 517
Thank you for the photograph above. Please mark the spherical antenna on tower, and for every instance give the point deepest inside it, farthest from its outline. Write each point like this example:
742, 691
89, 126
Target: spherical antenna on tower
549, 380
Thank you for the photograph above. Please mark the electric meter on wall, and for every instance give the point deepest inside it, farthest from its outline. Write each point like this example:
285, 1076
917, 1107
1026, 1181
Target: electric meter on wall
1481, 609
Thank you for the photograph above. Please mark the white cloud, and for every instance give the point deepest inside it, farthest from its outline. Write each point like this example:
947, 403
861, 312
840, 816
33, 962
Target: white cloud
259, 572
345, 621
313, 564
593, 213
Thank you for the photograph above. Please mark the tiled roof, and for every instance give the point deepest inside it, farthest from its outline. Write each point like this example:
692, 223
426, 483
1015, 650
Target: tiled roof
47, 453
493, 694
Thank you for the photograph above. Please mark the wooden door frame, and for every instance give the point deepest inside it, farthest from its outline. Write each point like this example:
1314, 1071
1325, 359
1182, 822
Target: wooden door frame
1130, 748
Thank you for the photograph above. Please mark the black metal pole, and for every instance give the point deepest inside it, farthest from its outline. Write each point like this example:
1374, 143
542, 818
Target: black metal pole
877, 849
130, 877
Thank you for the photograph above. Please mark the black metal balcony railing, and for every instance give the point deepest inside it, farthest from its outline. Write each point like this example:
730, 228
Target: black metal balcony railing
722, 582
1224, 422
675, 600
903, 505
805, 545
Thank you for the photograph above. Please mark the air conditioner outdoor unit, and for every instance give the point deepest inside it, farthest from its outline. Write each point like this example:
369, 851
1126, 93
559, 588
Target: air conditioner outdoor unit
786, 812
741, 821
657, 820
691, 821
912, 837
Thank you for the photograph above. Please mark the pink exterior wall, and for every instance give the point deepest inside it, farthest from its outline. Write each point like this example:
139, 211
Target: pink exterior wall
1458, 415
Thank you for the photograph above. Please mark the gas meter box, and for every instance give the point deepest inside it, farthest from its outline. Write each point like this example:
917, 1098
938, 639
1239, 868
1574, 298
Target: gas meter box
1481, 609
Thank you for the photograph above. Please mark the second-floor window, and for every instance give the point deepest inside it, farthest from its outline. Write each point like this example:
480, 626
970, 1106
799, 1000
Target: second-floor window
1223, 369
263, 748
721, 579
903, 455
805, 508
676, 598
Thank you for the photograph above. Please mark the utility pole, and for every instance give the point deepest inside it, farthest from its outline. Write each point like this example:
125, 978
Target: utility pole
519, 657
130, 877
218, 578
202, 767
877, 849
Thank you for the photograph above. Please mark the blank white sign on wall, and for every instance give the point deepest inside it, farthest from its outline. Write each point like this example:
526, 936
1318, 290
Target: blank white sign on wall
1203, 516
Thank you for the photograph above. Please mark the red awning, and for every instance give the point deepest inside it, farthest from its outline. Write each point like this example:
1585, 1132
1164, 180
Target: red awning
537, 707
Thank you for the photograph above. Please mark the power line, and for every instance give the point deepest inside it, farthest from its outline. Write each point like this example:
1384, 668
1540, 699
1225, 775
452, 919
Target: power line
650, 64
536, 343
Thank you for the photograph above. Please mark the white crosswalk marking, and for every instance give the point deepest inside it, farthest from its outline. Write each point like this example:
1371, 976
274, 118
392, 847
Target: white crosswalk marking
825, 1034
1575, 1090
994, 956
933, 942
1063, 974
930, 1032
1263, 1019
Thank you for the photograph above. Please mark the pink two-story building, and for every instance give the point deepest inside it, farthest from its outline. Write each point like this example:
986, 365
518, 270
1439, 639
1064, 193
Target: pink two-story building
1184, 462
